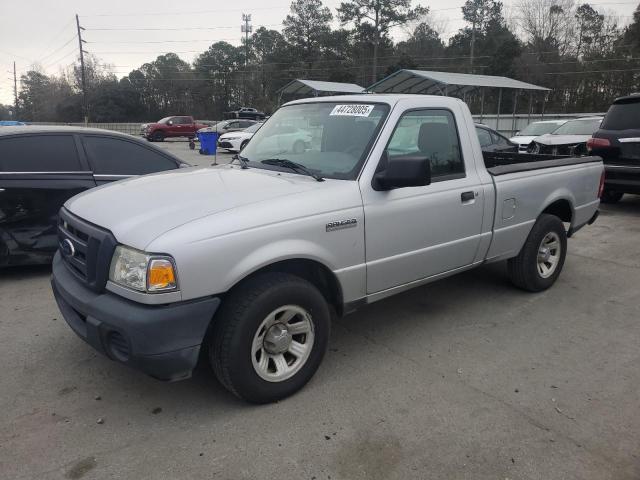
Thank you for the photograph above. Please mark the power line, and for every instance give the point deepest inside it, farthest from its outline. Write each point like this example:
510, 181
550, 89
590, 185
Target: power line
594, 71
159, 29
57, 50
182, 12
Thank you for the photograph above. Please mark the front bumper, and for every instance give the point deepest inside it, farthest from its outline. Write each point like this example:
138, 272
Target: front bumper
161, 340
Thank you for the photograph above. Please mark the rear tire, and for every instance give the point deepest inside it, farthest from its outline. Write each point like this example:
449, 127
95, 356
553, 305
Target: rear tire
542, 256
255, 351
611, 196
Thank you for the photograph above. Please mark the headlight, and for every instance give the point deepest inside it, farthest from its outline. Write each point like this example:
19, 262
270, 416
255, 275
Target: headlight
230, 138
142, 271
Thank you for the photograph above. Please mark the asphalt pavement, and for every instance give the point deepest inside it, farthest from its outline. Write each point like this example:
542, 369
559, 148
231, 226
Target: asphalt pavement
466, 378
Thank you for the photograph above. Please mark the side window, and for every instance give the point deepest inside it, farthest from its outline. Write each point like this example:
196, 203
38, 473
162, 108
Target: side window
431, 134
234, 125
498, 139
39, 153
112, 156
484, 137
185, 121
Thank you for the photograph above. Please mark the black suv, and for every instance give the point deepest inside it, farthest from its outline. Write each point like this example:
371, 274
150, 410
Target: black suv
42, 167
618, 143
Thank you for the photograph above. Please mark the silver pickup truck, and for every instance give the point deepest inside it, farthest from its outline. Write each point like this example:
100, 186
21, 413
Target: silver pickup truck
244, 265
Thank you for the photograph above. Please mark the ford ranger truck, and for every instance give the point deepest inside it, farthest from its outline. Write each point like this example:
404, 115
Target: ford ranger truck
244, 265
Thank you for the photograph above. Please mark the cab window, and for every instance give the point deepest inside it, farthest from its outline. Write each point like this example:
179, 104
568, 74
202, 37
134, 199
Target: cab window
431, 134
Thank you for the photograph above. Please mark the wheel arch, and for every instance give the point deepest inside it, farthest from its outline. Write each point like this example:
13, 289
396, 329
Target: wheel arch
315, 272
561, 208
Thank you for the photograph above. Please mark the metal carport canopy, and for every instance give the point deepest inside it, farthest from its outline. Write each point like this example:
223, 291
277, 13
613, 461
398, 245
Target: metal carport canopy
314, 87
429, 82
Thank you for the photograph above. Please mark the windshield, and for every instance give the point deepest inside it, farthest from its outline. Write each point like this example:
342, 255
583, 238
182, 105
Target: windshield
331, 139
538, 128
164, 120
622, 116
253, 128
579, 127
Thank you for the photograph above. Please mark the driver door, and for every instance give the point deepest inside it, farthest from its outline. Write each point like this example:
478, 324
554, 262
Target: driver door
414, 233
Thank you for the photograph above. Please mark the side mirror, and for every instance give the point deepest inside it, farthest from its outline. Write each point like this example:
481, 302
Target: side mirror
170, 122
403, 172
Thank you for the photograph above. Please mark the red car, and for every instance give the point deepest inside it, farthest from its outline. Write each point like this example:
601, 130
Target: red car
179, 126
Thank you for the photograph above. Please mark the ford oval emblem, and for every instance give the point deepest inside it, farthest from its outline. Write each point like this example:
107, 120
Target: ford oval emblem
67, 248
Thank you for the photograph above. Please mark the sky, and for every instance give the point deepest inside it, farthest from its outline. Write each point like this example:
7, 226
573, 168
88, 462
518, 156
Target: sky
128, 33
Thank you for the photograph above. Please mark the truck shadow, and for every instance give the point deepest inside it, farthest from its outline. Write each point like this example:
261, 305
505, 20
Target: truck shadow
629, 205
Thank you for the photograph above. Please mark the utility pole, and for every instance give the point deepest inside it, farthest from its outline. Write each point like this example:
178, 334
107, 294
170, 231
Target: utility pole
473, 44
246, 28
15, 93
84, 82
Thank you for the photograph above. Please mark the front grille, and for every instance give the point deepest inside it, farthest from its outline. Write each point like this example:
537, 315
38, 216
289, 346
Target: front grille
86, 249
225, 145
573, 149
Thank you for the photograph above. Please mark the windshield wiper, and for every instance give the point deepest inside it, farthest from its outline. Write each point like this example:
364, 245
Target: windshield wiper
298, 167
244, 163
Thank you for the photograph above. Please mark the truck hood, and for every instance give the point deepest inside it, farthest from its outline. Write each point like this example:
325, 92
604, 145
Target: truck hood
140, 209
562, 139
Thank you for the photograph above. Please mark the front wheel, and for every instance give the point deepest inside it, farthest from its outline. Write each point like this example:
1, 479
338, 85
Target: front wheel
157, 137
269, 337
541, 259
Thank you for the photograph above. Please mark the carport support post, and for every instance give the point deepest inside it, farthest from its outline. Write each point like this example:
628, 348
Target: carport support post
515, 106
530, 107
482, 105
499, 105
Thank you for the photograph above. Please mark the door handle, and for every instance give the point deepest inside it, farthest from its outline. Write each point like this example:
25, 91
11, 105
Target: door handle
467, 197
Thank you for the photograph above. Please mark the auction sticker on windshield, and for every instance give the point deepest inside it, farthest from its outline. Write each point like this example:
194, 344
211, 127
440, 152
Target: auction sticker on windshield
352, 110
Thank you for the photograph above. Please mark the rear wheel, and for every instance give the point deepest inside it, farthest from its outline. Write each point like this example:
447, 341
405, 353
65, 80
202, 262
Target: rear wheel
541, 259
611, 196
269, 337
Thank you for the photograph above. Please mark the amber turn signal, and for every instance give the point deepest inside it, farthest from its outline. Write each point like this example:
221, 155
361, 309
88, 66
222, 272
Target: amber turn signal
161, 275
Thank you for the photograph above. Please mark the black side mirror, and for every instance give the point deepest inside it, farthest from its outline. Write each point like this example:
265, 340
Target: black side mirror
403, 172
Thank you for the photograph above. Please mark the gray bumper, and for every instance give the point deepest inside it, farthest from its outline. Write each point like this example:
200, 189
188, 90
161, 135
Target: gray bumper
161, 340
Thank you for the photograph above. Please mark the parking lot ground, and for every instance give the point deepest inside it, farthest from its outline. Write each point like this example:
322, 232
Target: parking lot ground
467, 378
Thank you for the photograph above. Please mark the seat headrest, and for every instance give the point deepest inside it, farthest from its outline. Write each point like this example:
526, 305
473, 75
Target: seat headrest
434, 137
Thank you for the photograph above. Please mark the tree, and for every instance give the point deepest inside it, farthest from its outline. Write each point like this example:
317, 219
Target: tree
379, 17
306, 28
547, 24
5, 112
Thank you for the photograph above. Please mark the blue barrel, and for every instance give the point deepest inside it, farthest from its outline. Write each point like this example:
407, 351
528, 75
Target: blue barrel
208, 142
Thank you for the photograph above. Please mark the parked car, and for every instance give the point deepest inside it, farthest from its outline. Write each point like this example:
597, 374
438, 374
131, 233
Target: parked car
618, 143
42, 167
245, 112
226, 126
492, 141
172, 127
248, 262
236, 141
11, 123
568, 139
286, 138
525, 136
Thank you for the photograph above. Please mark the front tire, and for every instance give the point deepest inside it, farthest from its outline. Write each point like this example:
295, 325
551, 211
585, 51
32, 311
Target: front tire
157, 137
611, 196
269, 337
542, 256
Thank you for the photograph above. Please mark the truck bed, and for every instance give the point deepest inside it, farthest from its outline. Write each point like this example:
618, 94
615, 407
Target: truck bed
501, 163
